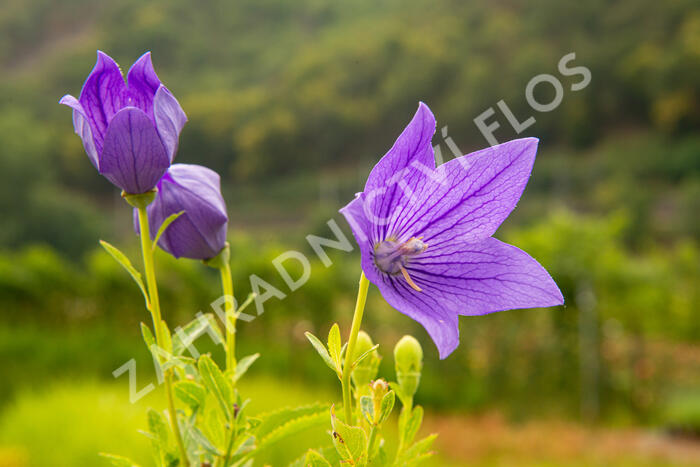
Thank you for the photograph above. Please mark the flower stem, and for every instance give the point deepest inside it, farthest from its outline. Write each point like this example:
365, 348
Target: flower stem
372, 438
350, 350
147, 251
227, 286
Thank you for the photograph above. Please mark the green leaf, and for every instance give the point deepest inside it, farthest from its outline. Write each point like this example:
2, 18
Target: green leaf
167, 343
280, 424
126, 264
217, 383
191, 393
187, 334
203, 441
119, 461
386, 406
349, 441
243, 364
417, 453
158, 427
166, 223
335, 345
367, 407
321, 349
147, 335
409, 424
364, 355
271, 421
315, 459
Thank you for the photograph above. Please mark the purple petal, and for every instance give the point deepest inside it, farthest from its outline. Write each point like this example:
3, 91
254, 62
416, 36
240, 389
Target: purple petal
169, 118
133, 157
102, 96
200, 233
472, 197
82, 128
467, 279
427, 307
143, 83
405, 166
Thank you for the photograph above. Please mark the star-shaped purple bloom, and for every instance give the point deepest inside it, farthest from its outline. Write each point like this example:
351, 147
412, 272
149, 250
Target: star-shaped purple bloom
129, 130
425, 232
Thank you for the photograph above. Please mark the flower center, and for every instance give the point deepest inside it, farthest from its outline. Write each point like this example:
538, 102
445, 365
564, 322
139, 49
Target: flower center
391, 257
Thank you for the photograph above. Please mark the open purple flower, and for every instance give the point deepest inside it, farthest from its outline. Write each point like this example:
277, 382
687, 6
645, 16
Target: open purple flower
129, 130
200, 232
425, 232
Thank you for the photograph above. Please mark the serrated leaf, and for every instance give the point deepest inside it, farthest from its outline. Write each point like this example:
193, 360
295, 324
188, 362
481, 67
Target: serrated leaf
118, 461
217, 383
243, 365
166, 223
191, 393
272, 420
349, 441
280, 424
315, 459
364, 355
121, 258
386, 406
321, 349
335, 344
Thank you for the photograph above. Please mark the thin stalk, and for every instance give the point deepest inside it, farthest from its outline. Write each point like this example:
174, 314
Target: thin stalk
350, 350
372, 438
147, 251
227, 286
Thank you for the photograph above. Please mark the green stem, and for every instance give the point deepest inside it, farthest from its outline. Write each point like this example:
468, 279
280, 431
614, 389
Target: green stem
147, 251
227, 286
372, 437
350, 350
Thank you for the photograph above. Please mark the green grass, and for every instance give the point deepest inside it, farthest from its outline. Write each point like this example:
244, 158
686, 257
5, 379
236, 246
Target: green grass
68, 423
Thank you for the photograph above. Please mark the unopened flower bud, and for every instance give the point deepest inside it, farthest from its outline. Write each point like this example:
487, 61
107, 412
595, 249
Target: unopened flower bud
367, 369
379, 388
408, 359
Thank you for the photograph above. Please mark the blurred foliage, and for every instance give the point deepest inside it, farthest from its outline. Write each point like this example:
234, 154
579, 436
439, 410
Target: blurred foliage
641, 308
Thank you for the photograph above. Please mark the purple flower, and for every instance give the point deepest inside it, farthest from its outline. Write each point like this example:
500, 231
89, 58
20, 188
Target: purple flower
130, 131
200, 232
425, 232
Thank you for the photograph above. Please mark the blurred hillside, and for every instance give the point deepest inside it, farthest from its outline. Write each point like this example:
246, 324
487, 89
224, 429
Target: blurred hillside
280, 92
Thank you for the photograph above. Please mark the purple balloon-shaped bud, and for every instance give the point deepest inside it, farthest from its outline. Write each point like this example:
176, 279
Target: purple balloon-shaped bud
130, 130
200, 232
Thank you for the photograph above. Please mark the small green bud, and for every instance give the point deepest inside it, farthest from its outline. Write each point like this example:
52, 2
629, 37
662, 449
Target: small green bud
364, 343
367, 369
379, 388
408, 360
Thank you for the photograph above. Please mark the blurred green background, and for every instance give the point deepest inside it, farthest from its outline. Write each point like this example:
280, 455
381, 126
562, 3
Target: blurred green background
292, 102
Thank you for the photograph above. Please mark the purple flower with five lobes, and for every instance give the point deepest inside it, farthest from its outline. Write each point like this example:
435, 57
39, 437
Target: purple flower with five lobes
130, 130
425, 232
200, 232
